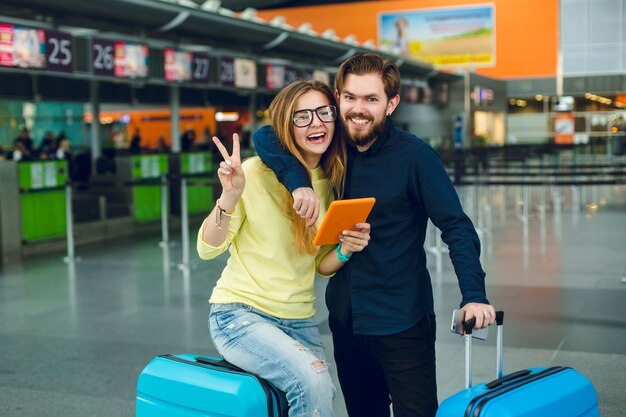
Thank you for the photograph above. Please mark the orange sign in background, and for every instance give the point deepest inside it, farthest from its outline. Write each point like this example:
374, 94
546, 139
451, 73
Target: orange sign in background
526, 31
564, 128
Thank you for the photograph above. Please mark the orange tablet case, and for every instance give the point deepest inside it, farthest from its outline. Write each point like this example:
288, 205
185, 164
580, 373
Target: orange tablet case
342, 215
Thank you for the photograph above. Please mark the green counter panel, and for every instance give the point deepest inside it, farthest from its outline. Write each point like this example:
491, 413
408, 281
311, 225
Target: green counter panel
147, 202
147, 198
42, 174
43, 212
43, 215
199, 198
149, 166
197, 163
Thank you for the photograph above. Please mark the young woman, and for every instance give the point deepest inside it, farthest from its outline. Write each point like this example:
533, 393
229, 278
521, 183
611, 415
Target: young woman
262, 315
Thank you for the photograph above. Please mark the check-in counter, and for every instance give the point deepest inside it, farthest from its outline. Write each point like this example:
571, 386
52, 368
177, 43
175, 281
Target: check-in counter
140, 175
42, 199
32, 203
197, 169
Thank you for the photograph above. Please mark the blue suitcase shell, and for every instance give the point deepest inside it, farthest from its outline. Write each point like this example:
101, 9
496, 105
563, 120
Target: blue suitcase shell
537, 392
194, 385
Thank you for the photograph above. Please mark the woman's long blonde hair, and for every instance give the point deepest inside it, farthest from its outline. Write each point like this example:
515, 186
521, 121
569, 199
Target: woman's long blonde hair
333, 161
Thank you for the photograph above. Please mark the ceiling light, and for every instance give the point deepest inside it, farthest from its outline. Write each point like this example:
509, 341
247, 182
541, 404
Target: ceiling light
351, 39
211, 5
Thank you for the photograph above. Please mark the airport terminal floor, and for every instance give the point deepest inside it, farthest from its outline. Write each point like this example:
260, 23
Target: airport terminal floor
75, 337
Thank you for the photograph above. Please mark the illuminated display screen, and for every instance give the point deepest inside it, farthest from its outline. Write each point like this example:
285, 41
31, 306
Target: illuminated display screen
278, 76
319, 75
482, 96
119, 59
22, 47
245, 73
186, 66
237, 72
177, 65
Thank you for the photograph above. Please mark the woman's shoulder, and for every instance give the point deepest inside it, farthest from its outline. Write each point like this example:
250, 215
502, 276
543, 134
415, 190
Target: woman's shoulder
252, 165
256, 171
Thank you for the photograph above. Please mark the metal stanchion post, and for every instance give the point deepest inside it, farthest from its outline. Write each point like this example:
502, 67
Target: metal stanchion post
102, 208
557, 199
184, 224
69, 224
503, 200
526, 201
165, 233
542, 199
575, 199
518, 201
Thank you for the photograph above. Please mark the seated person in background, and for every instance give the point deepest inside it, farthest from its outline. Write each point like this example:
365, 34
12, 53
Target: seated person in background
47, 147
20, 152
162, 146
135, 142
188, 139
64, 149
262, 315
23, 144
206, 142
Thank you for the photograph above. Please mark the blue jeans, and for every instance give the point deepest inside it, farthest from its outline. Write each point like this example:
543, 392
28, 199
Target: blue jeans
287, 353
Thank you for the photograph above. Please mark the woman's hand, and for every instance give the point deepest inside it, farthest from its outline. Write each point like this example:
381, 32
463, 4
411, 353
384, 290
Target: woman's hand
230, 174
355, 240
351, 241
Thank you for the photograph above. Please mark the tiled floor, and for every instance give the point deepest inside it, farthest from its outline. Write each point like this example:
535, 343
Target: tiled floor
74, 338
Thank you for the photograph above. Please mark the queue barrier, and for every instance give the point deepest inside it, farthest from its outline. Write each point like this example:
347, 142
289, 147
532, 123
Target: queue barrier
164, 183
476, 185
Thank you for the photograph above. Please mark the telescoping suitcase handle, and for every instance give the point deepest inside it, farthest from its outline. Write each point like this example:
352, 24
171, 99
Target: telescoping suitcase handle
468, 326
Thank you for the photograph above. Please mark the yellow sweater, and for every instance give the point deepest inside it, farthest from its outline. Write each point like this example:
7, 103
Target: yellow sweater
264, 270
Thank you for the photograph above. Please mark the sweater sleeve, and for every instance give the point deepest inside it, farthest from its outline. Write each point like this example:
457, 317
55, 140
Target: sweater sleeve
439, 198
287, 168
206, 251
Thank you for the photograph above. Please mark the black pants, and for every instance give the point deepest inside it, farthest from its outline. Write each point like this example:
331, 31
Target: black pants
375, 371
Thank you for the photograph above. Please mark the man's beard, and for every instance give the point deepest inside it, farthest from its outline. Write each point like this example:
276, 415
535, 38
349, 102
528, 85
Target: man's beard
363, 138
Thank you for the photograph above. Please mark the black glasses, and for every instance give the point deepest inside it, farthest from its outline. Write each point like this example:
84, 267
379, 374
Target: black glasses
304, 117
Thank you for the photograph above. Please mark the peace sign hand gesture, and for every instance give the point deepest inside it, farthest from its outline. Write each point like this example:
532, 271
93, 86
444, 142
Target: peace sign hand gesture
230, 174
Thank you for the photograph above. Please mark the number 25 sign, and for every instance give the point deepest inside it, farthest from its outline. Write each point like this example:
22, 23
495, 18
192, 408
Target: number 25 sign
59, 51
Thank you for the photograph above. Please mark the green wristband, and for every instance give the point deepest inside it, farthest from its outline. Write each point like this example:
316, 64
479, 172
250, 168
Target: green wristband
340, 255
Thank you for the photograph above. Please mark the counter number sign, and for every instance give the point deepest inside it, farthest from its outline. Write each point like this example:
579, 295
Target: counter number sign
200, 68
59, 51
227, 71
102, 57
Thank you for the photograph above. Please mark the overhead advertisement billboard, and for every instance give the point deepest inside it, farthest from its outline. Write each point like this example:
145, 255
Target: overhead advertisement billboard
35, 48
120, 59
444, 37
22, 47
184, 66
237, 72
277, 76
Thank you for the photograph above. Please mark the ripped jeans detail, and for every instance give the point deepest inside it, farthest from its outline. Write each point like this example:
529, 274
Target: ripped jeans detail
288, 353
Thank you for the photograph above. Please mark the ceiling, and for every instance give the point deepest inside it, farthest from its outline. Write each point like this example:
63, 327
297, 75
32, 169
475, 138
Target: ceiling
167, 21
240, 5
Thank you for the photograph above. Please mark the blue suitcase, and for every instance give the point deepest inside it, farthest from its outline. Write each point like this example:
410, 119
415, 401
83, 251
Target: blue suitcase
536, 392
192, 385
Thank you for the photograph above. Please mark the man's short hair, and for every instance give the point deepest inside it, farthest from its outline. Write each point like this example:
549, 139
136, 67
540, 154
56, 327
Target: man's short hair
362, 64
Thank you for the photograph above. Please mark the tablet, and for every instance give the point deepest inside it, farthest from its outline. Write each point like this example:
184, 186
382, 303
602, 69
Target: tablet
342, 215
